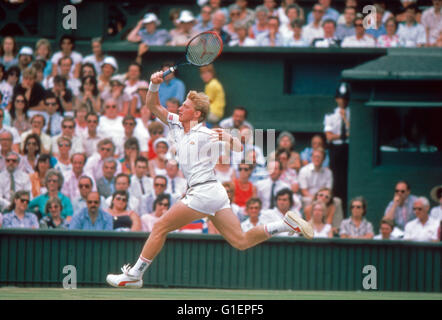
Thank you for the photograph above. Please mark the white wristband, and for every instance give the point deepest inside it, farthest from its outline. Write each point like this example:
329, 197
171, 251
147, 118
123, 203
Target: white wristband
154, 87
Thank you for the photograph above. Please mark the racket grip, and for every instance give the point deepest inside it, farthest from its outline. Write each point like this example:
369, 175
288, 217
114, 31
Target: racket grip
167, 72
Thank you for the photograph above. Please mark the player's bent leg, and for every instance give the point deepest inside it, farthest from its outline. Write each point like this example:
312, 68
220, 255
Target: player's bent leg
230, 228
177, 216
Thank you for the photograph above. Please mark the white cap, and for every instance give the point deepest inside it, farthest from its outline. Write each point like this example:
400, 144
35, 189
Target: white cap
143, 85
151, 17
26, 50
111, 61
185, 16
163, 140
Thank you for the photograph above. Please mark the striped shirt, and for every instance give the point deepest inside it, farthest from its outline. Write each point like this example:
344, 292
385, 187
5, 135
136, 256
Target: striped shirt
349, 228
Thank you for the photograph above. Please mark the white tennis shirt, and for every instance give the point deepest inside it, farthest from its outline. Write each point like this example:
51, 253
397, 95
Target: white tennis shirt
196, 153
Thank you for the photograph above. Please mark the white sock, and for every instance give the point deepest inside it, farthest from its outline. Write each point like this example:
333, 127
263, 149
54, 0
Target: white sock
140, 267
276, 227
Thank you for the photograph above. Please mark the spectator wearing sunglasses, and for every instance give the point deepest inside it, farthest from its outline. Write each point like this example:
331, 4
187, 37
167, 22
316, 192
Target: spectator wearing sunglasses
360, 39
424, 227
400, 209
53, 219
52, 114
67, 130
124, 219
12, 178
357, 226
92, 217
111, 123
18, 217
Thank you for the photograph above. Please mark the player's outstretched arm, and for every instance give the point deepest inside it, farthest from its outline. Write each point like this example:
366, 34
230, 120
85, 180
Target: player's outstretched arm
152, 97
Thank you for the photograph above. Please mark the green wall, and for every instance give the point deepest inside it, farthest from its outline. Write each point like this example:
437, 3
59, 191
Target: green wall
37, 258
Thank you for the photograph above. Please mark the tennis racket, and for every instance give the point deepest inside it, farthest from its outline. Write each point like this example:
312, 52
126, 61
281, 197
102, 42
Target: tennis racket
201, 50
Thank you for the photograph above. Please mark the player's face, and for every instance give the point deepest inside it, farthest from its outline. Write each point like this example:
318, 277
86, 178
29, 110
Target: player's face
187, 111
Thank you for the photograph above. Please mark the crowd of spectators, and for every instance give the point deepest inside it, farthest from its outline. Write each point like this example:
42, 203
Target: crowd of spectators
80, 150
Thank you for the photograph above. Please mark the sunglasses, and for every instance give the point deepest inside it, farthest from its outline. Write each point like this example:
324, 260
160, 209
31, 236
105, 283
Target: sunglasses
50, 103
68, 127
243, 169
64, 145
356, 207
93, 202
11, 160
54, 207
166, 204
106, 149
84, 186
111, 106
398, 190
92, 121
19, 101
121, 199
129, 123
159, 185
23, 200
324, 195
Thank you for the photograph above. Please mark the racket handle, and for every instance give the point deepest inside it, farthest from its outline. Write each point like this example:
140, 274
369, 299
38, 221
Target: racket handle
171, 69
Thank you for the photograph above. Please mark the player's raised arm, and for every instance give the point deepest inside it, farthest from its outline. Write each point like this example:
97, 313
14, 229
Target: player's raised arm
152, 97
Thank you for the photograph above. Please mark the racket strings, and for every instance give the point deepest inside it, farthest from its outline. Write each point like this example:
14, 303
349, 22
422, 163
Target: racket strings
204, 49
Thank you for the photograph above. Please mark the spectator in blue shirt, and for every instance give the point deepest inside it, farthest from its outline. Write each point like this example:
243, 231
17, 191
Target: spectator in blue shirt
317, 141
18, 217
92, 217
172, 87
329, 12
53, 182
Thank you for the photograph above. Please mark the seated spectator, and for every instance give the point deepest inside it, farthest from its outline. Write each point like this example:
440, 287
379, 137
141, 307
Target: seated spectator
67, 47
123, 218
53, 117
268, 188
70, 187
314, 27
204, 20
259, 172
37, 178
391, 39
410, 32
53, 182
109, 67
157, 166
320, 227
185, 31
387, 14
80, 114
234, 12
379, 29
147, 32
346, 28
63, 158
334, 213
432, 22
297, 39
32, 90
130, 154
64, 94
272, 37
400, 209
160, 205
18, 112
271, 6
129, 124
236, 120
89, 95
253, 214
25, 56
329, 12
140, 183
117, 94
88, 69
385, 230
436, 195
91, 138
131, 83
12, 179
246, 15
283, 14
244, 189
356, 226
106, 183
247, 140
283, 203
219, 19
360, 39
171, 87
261, 22
401, 16
348, 4
111, 123
215, 91
317, 141
72, 83
18, 216
156, 131
423, 228
92, 217
96, 58
52, 218
8, 52
176, 184
329, 40
314, 176
10, 79
6, 144
159, 187
241, 39
31, 151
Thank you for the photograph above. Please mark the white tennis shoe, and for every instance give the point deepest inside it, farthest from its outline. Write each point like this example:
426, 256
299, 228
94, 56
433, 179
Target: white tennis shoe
298, 225
124, 280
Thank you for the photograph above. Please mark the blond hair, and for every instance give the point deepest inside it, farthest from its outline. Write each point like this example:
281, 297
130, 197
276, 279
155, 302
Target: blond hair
201, 102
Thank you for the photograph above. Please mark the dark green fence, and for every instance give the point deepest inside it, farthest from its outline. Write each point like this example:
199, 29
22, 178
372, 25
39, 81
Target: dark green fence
37, 258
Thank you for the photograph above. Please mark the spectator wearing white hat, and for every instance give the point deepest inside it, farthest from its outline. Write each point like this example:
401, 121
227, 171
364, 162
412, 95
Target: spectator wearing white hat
147, 32
25, 57
108, 69
157, 166
185, 31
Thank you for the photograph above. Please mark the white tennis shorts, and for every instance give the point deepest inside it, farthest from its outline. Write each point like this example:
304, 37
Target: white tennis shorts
207, 198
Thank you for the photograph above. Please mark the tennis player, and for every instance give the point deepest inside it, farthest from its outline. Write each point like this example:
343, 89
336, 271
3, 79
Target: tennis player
205, 197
